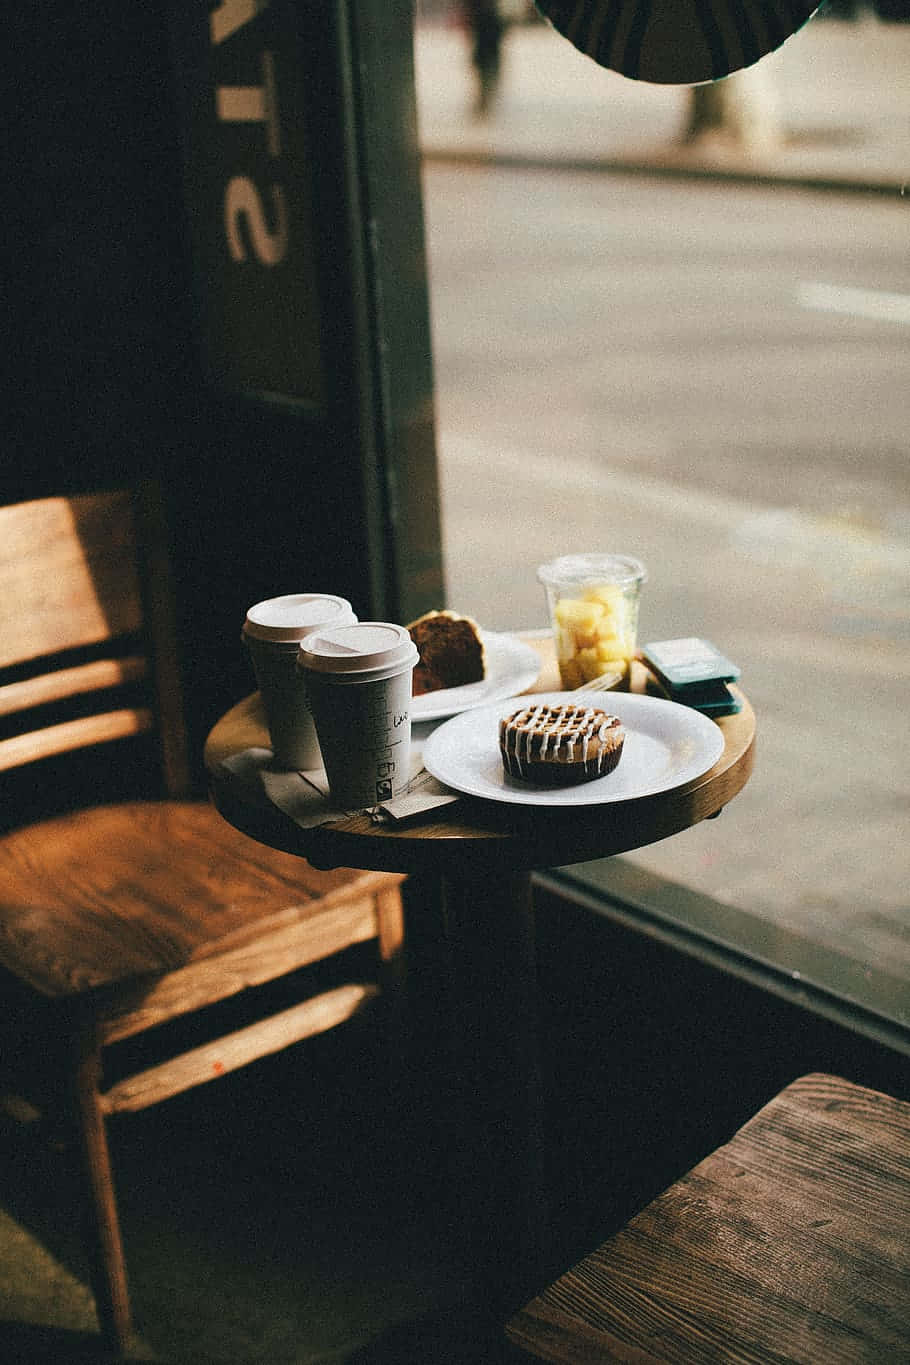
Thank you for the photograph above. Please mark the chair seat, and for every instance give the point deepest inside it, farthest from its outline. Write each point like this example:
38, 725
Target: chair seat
116, 892
789, 1243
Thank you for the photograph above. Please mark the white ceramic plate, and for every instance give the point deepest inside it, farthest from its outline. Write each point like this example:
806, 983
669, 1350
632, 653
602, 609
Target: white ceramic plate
512, 666
666, 746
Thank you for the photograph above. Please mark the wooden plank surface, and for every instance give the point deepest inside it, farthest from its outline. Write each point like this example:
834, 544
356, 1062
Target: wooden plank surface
134, 1006
68, 565
233, 1050
176, 886
74, 734
789, 1243
100, 676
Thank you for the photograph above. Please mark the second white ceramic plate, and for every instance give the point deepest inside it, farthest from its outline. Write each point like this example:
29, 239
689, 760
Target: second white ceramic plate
511, 667
666, 746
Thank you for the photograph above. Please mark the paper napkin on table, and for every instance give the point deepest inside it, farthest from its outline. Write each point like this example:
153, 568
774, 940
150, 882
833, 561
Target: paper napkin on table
304, 796
424, 794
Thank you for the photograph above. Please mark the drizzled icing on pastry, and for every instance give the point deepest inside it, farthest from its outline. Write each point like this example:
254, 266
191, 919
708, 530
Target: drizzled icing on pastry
564, 742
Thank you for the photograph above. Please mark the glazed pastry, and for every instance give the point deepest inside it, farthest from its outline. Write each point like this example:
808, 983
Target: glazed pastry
560, 745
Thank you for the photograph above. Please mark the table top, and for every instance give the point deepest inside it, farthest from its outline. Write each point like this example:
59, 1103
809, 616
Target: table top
473, 834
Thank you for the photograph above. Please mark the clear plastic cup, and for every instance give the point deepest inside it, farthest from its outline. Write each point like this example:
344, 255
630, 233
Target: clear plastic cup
359, 680
593, 602
272, 633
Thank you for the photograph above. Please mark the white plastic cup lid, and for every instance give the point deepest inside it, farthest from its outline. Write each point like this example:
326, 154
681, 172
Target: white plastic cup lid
291, 617
360, 649
577, 570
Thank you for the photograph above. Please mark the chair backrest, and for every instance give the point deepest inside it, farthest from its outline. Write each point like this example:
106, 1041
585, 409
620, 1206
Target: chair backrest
87, 652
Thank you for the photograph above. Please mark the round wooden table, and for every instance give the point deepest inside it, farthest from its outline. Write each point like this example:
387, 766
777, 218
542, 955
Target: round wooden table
471, 863
475, 836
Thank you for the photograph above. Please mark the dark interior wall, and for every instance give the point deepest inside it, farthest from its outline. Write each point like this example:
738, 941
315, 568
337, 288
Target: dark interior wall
99, 353
106, 377
102, 380
654, 1059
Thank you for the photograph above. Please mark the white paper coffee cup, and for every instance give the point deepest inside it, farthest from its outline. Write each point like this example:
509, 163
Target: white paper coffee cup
359, 681
272, 633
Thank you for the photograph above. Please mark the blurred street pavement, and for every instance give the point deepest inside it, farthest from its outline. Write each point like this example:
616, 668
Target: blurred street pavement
841, 92
691, 357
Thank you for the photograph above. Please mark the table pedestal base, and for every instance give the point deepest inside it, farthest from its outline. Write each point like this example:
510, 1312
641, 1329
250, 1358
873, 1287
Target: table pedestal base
491, 1090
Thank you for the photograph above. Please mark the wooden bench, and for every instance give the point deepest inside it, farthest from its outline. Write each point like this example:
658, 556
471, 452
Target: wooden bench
789, 1243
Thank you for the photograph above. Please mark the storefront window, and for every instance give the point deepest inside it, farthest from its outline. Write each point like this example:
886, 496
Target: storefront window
696, 350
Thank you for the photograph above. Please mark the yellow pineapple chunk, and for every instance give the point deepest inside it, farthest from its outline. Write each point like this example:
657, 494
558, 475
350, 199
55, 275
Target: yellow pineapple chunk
589, 664
608, 594
612, 647
570, 674
593, 634
618, 666
581, 617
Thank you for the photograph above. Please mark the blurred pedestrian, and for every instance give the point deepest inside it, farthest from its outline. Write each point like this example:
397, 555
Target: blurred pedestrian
486, 27
741, 111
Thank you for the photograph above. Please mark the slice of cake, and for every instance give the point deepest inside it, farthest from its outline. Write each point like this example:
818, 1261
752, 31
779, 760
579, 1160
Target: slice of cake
451, 651
560, 745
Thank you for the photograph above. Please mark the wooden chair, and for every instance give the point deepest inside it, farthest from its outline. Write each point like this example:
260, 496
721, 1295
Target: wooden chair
118, 917
789, 1243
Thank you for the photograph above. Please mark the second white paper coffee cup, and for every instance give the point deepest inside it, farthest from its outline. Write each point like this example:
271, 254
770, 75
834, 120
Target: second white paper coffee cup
272, 633
359, 680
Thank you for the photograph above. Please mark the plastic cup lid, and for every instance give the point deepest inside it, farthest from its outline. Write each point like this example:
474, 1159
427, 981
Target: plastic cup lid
592, 568
357, 648
291, 617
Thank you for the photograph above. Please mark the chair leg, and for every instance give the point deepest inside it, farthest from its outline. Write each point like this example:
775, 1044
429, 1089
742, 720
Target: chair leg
392, 972
390, 916
106, 1245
